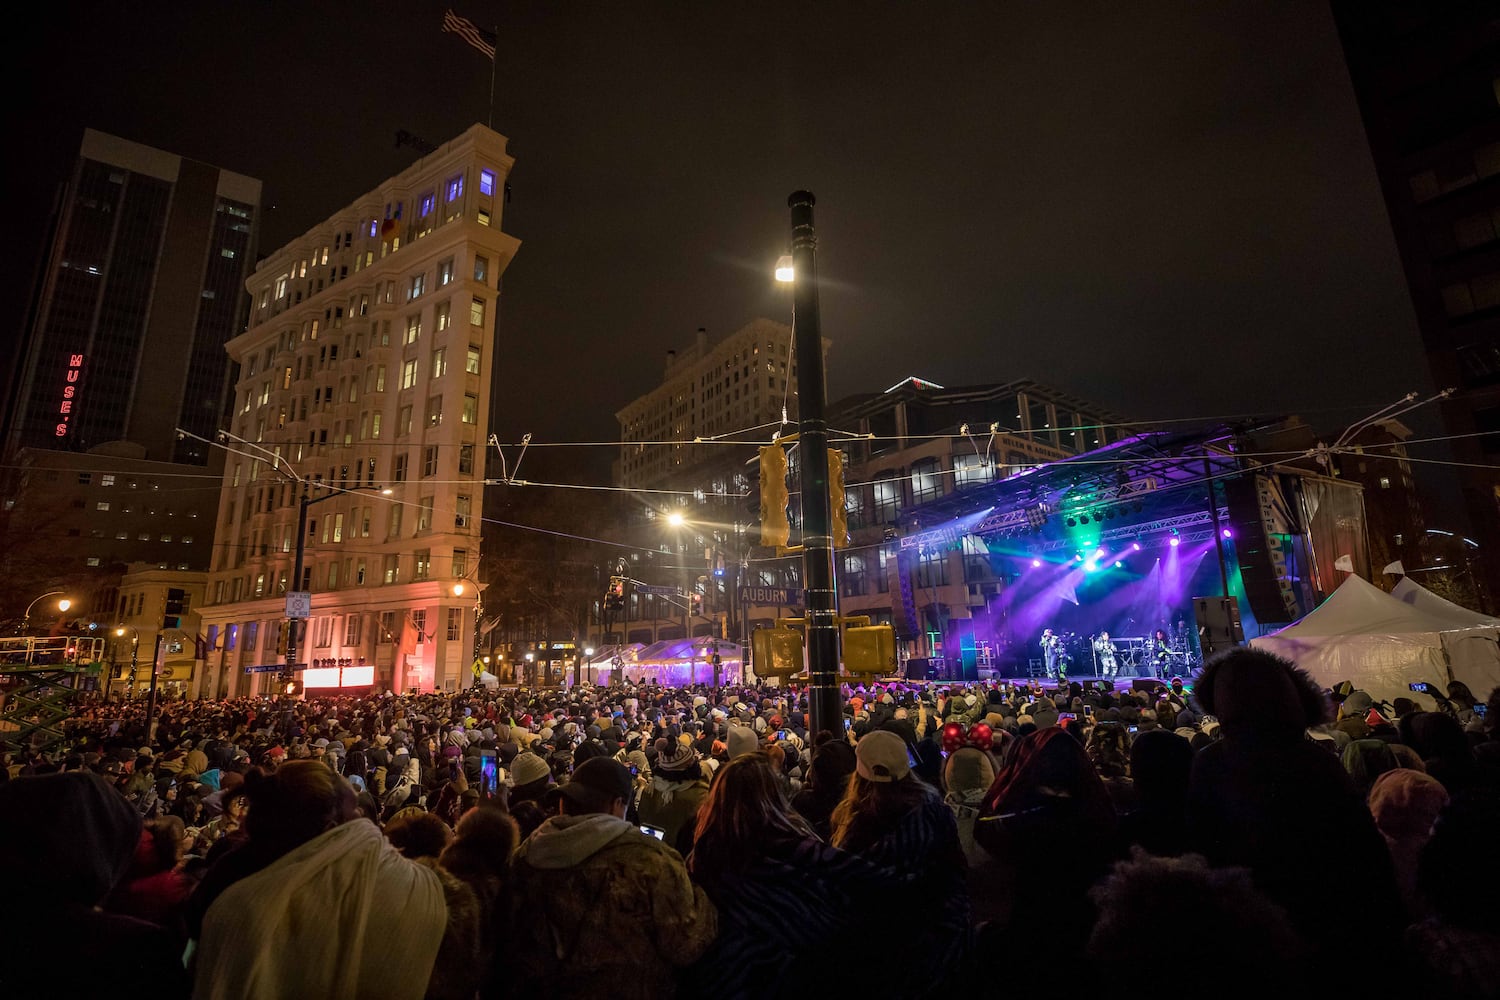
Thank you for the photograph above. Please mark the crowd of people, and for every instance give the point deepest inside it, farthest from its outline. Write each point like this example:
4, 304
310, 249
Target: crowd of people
1245, 830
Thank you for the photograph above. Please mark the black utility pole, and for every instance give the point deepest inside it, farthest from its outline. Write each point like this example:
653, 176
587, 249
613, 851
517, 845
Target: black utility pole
151, 696
289, 672
825, 704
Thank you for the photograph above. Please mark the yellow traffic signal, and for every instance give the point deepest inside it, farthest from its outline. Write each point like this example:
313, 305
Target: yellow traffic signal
775, 529
840, 529
777, 652
870, 650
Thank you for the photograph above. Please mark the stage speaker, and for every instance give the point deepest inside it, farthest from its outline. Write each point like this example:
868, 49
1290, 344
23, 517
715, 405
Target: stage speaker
1218, 624
1263, 525
1147, 684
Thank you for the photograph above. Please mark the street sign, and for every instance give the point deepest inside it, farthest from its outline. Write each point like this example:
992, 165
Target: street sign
642, 588
298, 604
271, 668
782, 597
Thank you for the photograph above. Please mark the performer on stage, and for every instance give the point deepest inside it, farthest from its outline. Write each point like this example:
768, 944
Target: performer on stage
1161, 650
1051, 652
1104, 652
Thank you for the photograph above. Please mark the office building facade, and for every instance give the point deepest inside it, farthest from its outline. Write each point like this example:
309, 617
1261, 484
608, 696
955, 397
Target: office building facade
365, 379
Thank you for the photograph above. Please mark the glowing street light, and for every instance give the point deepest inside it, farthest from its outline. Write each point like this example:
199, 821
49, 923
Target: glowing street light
784, 270
675, 519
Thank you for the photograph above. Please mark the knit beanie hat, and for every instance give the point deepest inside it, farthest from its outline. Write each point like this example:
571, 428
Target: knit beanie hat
1406, 803
528, 767
742, 740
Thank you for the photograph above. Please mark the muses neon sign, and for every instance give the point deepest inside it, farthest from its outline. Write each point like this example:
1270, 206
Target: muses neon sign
69, 394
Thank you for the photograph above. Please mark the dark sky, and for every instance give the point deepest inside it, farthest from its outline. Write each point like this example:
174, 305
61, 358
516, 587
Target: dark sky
1167, 207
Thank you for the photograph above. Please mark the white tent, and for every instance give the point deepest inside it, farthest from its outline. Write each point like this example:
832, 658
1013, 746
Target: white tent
1381, 644
1409, 591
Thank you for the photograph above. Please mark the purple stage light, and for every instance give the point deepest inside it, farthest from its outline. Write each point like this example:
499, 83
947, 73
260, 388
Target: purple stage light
1118, 564
1036, 564
1176, 541
1136, 546
1227, 533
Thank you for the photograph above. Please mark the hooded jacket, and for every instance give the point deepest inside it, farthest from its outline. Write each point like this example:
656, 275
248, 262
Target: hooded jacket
598, 902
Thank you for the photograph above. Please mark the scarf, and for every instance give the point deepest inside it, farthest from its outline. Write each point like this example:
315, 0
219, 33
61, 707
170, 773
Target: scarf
308, 924
666, 788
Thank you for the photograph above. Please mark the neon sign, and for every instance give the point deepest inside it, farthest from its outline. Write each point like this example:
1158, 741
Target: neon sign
69, 394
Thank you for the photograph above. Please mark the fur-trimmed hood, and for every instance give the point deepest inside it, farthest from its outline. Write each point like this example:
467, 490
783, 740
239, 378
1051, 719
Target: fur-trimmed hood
1250, 690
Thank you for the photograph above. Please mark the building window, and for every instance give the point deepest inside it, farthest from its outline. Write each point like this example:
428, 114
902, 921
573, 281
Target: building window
444, 271
487, 182
91, 561
454, 189
887, 498
393, 523
439, 366
419, 622
455, 624
398, 469
466, 459
434, 411
471, 409
471, 360
429, 461
462, 511
416, 286
481, 269
413, 329
351, 630
85, 478
423, 564
852, 576
460, 563
932, 568
443, 316
392, 571
424, 514
971, 470
101, 505
403, 421
409, 373
976, 559
476, 312
107, 479
926, 480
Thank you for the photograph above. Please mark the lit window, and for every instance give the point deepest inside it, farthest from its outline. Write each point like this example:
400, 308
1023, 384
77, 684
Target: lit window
486, 182
92, 561
102, 505
481, 269
476, 312
455, 187
471, 362
471, 409
439, 363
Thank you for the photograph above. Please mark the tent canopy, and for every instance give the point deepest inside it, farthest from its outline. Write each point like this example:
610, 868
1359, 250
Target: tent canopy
1410, 592
1382, 645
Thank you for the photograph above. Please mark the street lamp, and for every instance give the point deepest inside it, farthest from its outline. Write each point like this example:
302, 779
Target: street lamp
62, 605
135, 646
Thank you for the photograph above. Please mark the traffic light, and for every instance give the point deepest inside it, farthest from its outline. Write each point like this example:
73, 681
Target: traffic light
614, 597
695, 600
176, 602
775, 529
840, 530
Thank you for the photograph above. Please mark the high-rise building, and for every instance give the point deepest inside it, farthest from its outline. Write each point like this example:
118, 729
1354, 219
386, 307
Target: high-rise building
1427, 77
142, 286
364, 380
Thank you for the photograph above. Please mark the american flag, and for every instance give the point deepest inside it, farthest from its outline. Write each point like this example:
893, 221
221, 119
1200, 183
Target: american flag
470, 32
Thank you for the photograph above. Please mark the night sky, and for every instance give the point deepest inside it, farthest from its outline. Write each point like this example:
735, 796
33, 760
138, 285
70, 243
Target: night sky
1166, 207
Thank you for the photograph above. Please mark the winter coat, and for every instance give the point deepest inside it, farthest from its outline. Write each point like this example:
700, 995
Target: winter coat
782, 918
600, 906
673, 806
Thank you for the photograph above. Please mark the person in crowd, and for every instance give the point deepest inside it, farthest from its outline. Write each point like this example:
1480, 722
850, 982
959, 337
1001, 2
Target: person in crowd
897, 822
1222, 929
1160, 765
1366, 760
671, 801
1047, 802
155, 889
828, 774
1455, 952
1438, 738
598, 904
1405, 805
316, 865
1265, 798
66, 840
786, 900
417, 833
